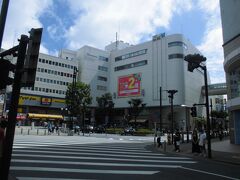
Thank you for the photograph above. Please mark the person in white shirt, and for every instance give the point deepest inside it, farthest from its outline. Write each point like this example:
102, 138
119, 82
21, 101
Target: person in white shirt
202, 142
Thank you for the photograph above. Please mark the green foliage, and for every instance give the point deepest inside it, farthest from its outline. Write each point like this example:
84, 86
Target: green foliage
219, 114
78, 97
104, 100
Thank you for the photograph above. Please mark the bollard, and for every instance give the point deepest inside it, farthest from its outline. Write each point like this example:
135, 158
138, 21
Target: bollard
28, 131
37, 131
164, 146
45, 132
21, 130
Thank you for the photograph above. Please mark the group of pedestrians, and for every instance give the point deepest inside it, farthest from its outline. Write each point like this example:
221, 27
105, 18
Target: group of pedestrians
199, 142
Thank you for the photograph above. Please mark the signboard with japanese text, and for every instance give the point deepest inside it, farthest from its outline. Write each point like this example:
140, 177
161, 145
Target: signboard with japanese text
46, 101
129, 85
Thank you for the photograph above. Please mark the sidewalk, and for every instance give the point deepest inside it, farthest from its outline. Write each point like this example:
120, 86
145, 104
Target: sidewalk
222, 151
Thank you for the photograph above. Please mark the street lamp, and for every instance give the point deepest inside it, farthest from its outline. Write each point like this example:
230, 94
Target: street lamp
171, 96
194, 61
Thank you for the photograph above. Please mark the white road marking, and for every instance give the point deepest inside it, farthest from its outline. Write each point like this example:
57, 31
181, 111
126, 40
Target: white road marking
94, 164
205, 172
92, 171
100, 158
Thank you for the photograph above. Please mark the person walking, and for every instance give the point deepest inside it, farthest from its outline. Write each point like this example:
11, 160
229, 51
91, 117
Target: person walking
177, 141
159, 141
202, 142
195, 141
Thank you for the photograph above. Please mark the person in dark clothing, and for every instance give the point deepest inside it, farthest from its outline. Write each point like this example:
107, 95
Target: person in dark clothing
195, 141
177, 141
159, 141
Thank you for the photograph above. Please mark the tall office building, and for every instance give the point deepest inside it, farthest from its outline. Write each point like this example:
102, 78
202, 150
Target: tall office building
231, 39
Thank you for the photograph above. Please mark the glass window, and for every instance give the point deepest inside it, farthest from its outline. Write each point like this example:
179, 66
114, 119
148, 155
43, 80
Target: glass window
132, 65
130, 55
177, 43
39, 60
43, 60
101, 78
102, 68
175, 56
102, 88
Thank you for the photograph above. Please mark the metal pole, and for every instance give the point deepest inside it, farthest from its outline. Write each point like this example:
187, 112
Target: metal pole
207, 112
160, 116
187, 124
171, 99
8, 142
211, 107
3, 18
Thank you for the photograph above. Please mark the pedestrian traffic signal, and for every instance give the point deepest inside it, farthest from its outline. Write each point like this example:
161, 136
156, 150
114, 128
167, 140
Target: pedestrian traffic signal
5, 67
30, 64
194, 111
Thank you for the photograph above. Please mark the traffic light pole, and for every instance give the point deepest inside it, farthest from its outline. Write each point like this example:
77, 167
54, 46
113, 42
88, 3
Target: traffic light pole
207, 112
9, 137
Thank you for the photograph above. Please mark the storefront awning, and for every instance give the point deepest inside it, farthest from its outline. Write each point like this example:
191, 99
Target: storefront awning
46, 116
138, 121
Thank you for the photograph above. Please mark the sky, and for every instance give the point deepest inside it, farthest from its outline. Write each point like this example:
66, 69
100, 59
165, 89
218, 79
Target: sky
71, 24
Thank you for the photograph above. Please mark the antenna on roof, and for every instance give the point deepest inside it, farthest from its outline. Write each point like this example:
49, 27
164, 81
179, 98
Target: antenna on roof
116, 40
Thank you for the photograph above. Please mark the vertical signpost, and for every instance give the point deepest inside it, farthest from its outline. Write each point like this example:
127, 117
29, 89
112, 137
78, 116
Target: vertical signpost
26, 63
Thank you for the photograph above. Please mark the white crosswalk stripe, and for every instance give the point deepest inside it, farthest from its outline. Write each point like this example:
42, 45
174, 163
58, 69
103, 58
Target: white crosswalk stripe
85, 158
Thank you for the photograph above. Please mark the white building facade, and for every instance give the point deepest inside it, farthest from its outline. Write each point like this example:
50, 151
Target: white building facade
231, 38
139, 71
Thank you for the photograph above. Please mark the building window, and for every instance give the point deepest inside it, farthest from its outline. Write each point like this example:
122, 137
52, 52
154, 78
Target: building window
102, 88
130, 55
177, 43
175, 56
103, 58
132, 65
101, 78
102, 68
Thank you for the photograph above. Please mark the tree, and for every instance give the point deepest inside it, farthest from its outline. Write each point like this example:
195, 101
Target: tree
105, 105
136, 106
78, 98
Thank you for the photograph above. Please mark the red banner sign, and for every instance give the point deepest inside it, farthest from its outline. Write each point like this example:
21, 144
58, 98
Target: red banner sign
129, 85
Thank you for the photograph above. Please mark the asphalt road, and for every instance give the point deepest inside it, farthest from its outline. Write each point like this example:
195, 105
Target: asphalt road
106, 157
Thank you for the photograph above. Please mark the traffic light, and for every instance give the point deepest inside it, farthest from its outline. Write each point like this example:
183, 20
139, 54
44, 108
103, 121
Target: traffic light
30, 64
194, 111
5, 67
194, 61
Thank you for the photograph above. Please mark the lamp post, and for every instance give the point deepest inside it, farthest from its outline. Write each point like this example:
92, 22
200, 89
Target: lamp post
171, 96
194, 61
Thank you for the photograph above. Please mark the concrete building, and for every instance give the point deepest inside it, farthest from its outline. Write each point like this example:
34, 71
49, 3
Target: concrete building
126, 71
231, 39
139, 71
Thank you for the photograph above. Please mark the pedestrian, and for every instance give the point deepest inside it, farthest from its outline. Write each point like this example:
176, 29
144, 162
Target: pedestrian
169, 138
202, 142
220, 135
195, 142
177, 139
159, 141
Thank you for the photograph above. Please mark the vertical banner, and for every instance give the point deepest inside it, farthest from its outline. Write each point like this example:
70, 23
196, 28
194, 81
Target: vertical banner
129, 85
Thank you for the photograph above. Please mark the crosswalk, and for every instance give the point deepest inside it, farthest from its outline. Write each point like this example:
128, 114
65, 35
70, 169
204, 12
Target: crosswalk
75, 158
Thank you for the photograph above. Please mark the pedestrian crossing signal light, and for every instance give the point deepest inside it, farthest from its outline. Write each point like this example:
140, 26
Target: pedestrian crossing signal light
194, 111
5, 67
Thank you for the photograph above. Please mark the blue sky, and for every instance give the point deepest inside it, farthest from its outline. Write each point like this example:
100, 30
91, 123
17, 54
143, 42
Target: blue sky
71, 24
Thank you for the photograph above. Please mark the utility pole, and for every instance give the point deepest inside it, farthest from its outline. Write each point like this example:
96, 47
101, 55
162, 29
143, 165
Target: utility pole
8, 143
194, 61
160, 116
3, 18
171, 97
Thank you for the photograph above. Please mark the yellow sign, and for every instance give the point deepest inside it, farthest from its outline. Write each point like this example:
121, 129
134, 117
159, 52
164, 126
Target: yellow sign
39, 99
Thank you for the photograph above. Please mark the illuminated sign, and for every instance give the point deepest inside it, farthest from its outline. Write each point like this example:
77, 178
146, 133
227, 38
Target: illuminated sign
46, 101
129, 85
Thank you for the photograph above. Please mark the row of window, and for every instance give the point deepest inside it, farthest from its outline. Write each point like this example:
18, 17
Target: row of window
49, 71
102, 68
52, 81
130, 55
56, 63
177, 43
102, 88
102, 78
47, 90
102, 58
131, 65
174, 56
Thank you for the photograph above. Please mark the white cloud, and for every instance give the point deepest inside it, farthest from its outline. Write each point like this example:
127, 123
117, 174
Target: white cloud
98, 21
22, 16
211, 45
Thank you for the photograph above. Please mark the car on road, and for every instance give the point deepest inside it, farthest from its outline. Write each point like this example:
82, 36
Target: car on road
128, 131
